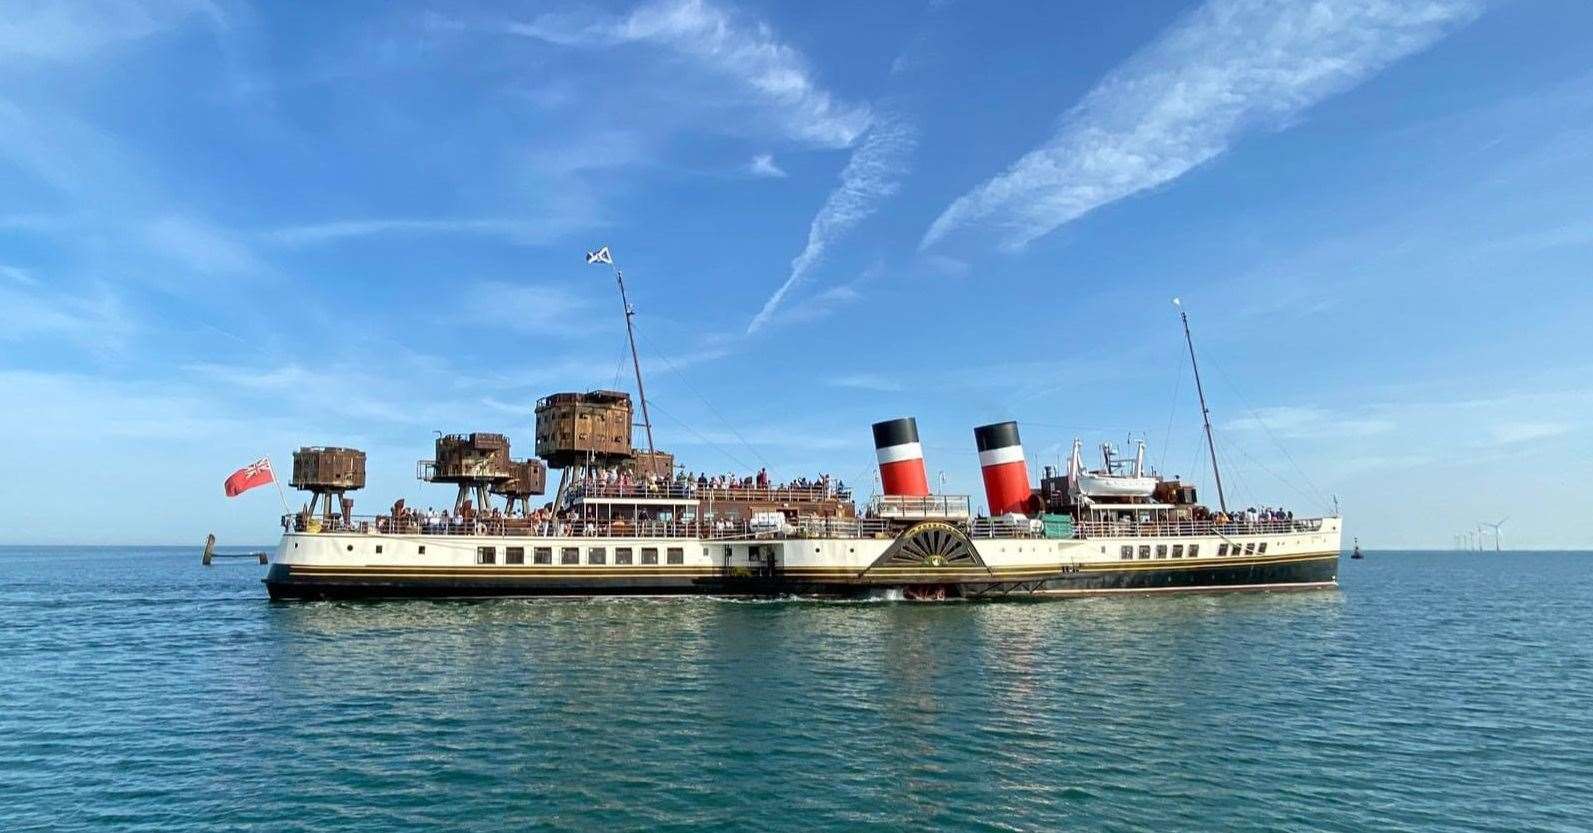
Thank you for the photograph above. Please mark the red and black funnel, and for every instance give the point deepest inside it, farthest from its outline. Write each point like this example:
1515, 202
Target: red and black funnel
1005, 472
901, 457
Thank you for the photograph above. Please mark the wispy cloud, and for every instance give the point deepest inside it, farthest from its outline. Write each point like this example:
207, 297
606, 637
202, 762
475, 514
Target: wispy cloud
868, 381
1307, 422
872, 174
1229, 67
1506, 433
202, 246
96, 319
526, 308
63, 30
763, 165
334, 230
18, 275
747, 52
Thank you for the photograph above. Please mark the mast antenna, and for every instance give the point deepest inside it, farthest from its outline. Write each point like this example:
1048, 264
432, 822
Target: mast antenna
1205, 413
603, 256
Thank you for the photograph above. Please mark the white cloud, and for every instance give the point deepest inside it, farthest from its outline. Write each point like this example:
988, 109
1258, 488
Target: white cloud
64, 30
1304, 422
872, 174
748, 53
1520, 432
96, 320
335, 230
763, 165
528, 308
1229, 67
18, 275
202, 246
868, 381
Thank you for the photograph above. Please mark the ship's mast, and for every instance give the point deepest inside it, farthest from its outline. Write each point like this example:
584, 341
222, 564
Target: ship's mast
1205, 413
636, 363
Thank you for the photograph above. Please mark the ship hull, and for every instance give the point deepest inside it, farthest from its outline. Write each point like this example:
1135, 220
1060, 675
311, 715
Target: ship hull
1306, 572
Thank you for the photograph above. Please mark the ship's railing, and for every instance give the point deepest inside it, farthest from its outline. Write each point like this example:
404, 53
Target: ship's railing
955, 507
1005, 528
1133, 529
724, 529
634, 490
672, 489
522, 527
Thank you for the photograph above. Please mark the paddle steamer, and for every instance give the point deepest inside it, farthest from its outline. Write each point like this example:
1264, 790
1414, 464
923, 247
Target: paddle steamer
623, 522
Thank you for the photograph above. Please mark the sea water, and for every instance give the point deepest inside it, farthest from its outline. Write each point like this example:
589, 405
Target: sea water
140, 691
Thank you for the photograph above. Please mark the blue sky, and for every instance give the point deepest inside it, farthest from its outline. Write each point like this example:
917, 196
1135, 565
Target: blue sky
227, 230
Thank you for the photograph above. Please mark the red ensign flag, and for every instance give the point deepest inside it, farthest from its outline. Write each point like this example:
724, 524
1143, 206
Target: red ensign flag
255, 474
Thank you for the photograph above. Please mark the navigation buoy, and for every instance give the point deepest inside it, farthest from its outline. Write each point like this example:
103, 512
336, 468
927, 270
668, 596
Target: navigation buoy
1001, 462
901, 457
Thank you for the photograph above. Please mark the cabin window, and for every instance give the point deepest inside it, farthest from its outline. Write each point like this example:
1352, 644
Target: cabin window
649, 555
378, 549
514, 555
1222, 549
1127, 552
622, 555
542, 555
597, 555
1144, 550
570, 555
1178, 550
486, 555
421, 549
1261, 548
1161, 550
675, 555
1194, 550
1250, 548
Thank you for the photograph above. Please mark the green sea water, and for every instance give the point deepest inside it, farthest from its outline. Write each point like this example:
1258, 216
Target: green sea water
140, 691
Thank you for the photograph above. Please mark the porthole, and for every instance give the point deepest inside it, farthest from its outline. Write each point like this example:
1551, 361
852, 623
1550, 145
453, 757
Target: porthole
350, 547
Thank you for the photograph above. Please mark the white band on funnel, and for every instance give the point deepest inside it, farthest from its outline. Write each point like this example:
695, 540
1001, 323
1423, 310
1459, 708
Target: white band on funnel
999, 456
898, 453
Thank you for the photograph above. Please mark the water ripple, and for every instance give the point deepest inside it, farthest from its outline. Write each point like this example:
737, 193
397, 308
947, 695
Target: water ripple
1435, 692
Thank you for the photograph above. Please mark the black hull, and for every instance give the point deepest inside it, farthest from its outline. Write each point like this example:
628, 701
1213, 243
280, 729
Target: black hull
1295, 573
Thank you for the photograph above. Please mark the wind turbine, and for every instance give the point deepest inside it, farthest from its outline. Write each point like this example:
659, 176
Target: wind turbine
1498, 533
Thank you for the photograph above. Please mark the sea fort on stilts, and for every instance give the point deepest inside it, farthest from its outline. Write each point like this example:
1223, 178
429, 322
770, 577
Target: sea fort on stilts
624, 521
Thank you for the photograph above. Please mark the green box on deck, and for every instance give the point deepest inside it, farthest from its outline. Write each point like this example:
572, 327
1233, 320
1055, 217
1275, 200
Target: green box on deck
1058, 526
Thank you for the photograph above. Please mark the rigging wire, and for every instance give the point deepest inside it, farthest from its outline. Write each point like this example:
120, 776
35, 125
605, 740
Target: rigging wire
1167, 436
619, 365
705, 440
706, 403
1319, 495
1234, 447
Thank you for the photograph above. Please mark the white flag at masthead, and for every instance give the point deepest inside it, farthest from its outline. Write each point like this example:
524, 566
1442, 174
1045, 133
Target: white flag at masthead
600, 256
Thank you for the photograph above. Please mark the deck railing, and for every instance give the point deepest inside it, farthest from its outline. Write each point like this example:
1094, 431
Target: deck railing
723, 529
691, 491
809, 527
1133, 529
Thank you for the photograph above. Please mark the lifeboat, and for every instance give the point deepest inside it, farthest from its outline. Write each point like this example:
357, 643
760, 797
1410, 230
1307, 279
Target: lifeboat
1111, 480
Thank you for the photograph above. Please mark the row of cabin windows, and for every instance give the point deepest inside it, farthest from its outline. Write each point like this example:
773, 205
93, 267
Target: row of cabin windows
1162, 550
572, 555
1177, 550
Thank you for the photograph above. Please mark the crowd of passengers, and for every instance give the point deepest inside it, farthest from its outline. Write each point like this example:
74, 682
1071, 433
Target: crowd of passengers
690, 483
1248, 517
467, 521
